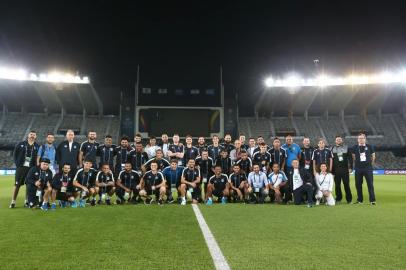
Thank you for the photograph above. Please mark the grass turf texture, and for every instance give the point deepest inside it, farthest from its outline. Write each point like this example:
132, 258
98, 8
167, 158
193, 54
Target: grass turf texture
250, 236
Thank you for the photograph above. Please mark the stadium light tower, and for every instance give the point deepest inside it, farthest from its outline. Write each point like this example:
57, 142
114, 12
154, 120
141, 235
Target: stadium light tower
324, 80
19, 74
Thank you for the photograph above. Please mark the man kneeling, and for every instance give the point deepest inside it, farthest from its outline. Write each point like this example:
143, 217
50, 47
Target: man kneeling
218, 186
128, 185
105, 183
85, 183
153, 183
324, 183
63, 189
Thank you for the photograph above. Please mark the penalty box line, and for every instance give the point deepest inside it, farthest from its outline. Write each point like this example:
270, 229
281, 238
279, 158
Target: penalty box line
219, 260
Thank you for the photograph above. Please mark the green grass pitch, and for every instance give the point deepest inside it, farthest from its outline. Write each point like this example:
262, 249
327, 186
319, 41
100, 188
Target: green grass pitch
169, 237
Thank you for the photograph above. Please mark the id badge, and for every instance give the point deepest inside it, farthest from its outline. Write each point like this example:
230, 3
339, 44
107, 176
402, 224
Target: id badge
307, 166
256, 189
340, 158
122, 166
362, 157
38, 193
204, 179
153, 187
63, 189
27, 162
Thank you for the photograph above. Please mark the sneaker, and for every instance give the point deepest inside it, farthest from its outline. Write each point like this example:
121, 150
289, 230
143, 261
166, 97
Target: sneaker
74, 204
223, 200
26, 205
99, 201
357, 202
183, 202
160, 202
44, 207
317, 202
82, 203
373, 203
148, 201
108, 202
209, 201
93, 202
170, 200
118, 201
12, 205
53, 206
309, 205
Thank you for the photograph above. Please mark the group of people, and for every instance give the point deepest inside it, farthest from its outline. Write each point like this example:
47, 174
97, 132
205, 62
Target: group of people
239, 171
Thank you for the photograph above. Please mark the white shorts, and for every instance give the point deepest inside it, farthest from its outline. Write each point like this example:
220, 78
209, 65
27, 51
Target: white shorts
329, 200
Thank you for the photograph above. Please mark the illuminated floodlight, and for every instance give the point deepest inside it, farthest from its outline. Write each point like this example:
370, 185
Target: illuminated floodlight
324, 80
55, 77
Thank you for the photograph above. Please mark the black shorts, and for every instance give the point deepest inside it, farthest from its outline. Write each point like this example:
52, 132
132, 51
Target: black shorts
64, 196
218, 193
197, 193
21, 174
150, 192
105, 189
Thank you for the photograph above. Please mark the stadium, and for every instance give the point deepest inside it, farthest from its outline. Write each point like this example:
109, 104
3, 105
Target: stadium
187, 168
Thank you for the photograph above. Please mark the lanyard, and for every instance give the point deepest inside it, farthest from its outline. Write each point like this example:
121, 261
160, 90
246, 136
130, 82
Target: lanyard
121, 156
108, 154
26, 150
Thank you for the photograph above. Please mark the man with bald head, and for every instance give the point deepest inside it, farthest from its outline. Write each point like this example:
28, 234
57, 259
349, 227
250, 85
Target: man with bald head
68, 152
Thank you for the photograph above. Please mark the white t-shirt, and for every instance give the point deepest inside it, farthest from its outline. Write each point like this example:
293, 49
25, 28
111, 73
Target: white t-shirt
325, 182
297, 179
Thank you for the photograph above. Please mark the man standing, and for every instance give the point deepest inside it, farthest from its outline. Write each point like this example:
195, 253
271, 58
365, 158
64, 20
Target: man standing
262, 158
138, 157
306, 155
164, 144
201, 144
206, 167
364, 156
107, 152
67, 152
235, 154
151, 148
245, 163
159, 159
122, 155
48, 150
88, 149
25, 157
215, 148
224, 162
191, 152
251, 147
278, 154
322, 155
342, 167
244, 145
176, 150
227, 144
292, 151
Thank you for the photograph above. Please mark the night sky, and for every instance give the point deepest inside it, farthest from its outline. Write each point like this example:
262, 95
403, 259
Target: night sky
183, 43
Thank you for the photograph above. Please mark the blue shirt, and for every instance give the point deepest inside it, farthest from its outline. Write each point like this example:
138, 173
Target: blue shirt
173, 176
292, 153
47, 151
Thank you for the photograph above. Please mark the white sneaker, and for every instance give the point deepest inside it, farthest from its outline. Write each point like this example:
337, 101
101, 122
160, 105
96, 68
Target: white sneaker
183, 202
317, 202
